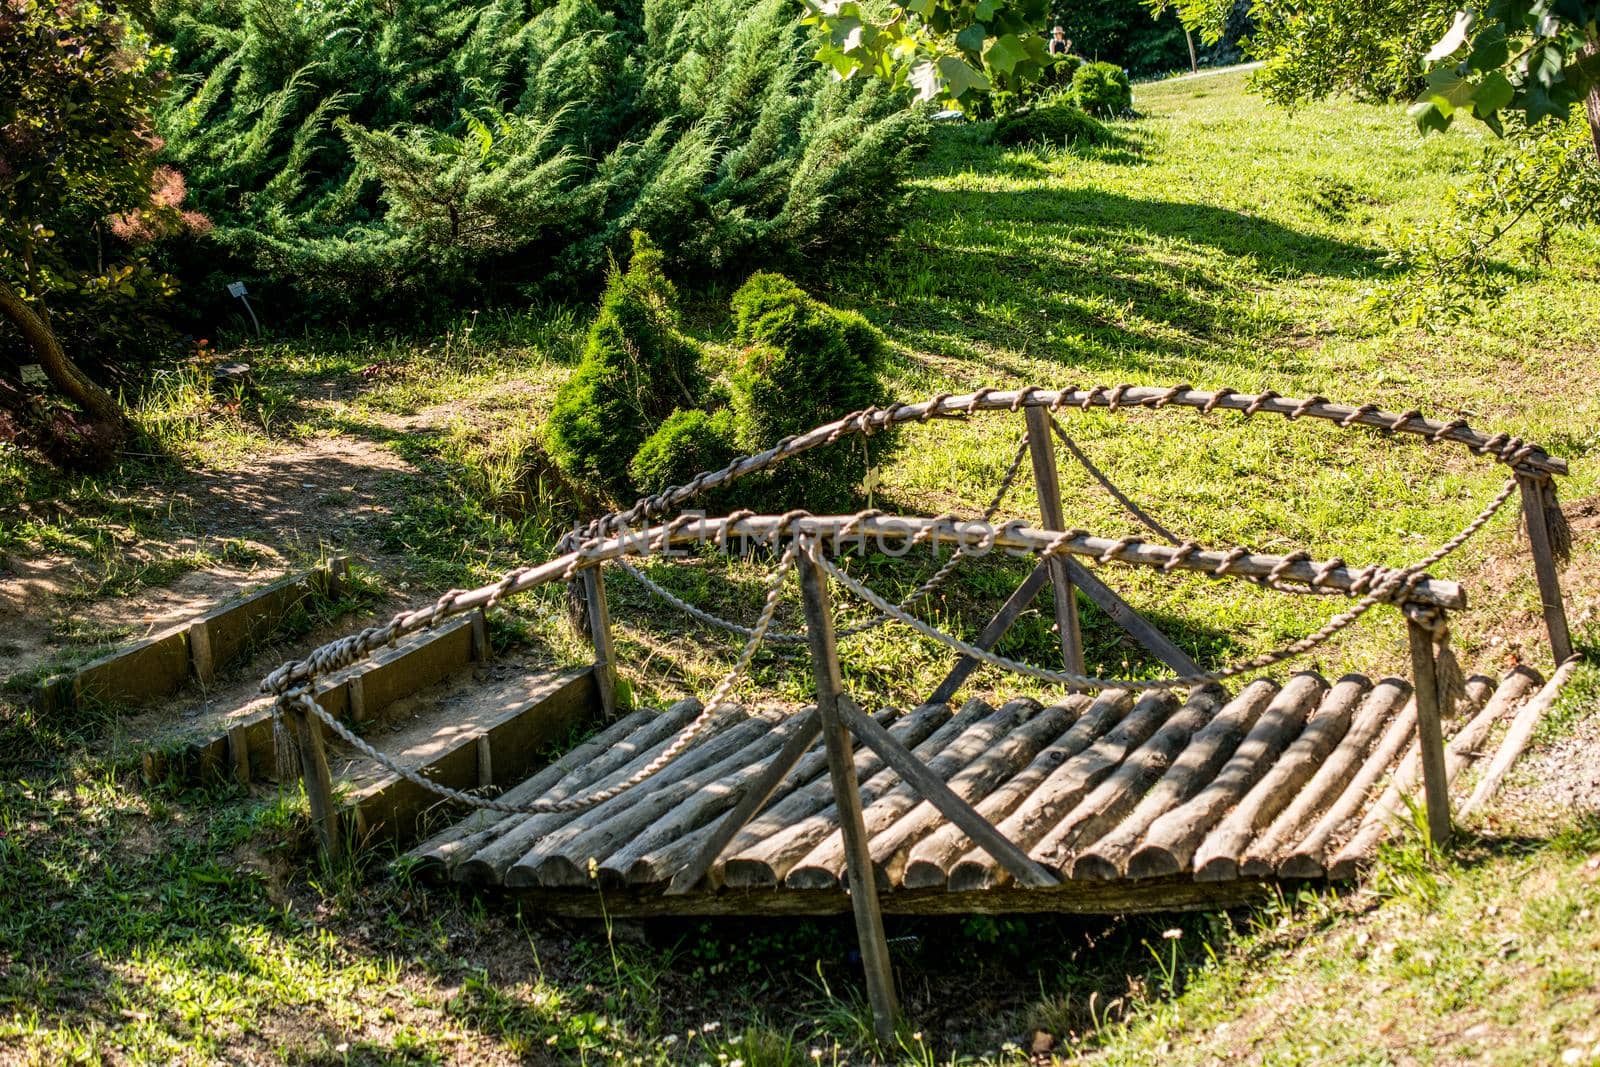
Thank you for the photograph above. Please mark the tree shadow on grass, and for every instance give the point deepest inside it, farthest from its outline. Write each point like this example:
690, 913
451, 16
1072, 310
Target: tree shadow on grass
1093, 278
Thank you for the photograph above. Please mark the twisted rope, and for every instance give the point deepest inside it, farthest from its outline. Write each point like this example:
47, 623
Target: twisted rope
302, 699
1504, 448
926, 589
1109, 486
1387, 585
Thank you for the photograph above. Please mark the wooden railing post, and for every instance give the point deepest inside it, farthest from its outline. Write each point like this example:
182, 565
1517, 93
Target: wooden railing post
1544, 565
1430, 728
847, 797
605, 655
1041, 446
317, 778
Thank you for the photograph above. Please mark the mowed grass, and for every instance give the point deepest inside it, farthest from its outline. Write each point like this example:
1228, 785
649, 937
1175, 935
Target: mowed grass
1222, 243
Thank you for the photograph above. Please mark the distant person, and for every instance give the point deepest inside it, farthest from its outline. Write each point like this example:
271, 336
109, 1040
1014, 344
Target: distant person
1060, 44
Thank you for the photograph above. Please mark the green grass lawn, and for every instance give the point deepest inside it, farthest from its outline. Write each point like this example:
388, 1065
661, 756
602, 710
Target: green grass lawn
1219, 243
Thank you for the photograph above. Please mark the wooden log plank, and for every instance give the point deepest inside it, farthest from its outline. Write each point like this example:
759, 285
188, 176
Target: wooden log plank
694, 856
1386, 811
591, 834
507, 840
1218, 857
1310, 858
929, 861
971, 784
674, 810
1172, 839
1104, 852
463, 838
1380, 705
763, 863
822, 866
663, 863
1518, 736
1003, 620
1064, 788
934, 788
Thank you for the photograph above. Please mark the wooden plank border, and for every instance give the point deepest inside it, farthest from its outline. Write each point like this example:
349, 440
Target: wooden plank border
159, 665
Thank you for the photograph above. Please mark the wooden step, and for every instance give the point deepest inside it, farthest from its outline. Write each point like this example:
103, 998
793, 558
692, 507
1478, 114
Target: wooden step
496, 739
248, 749
192, 650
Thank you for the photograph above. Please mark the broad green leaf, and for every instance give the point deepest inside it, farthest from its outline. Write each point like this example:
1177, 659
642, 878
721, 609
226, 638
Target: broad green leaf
1427, 116
1005, 53
1492, 94
1489, 49
960, 76
971, 39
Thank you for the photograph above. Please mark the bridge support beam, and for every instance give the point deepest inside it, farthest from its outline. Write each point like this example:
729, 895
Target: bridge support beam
1544, 565
847, 795
598, 612
318, 780
1042, 446
1430, 729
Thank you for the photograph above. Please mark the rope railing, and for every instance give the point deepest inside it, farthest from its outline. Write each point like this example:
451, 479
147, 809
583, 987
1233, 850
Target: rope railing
617, 537
923, 591
1522, 456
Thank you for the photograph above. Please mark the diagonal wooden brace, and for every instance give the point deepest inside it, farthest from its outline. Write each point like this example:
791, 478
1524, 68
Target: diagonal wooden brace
1008, 614
934, 790
1123, 614
754, 799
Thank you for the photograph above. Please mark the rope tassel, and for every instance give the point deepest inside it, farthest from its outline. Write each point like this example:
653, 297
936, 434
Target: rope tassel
1452, 680
1555, 521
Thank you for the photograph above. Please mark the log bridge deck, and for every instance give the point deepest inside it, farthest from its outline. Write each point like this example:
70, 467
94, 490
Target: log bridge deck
1132, 802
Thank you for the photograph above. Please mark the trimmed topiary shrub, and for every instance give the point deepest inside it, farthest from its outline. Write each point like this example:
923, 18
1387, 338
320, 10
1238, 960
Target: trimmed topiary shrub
1102, 89
801, 364
637, 369
1055, 123
689, 442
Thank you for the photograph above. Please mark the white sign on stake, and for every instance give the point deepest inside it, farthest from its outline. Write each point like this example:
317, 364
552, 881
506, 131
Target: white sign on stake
236, 290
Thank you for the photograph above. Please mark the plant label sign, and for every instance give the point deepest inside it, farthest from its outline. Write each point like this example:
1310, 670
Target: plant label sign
236, 290
33, 374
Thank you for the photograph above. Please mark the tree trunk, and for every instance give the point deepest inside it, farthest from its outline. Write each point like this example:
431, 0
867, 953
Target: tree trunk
1593, 48
63, 373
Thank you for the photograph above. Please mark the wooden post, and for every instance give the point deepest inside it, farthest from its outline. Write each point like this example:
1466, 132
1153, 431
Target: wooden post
605, 656
317, 778
1430, 731
847, 797
1544, 566
1042, 447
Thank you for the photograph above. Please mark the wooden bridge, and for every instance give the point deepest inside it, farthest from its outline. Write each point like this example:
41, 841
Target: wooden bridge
1197, 790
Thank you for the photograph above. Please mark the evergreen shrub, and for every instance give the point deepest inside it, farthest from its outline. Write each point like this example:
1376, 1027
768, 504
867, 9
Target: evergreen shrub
1102, 89
637, 368
801, 364
688, 443
382, 158
1056, 122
